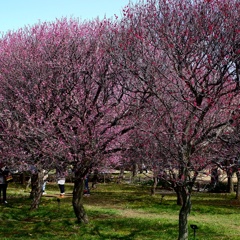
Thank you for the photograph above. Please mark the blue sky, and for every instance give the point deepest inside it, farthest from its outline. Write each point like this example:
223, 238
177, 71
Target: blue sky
15, 14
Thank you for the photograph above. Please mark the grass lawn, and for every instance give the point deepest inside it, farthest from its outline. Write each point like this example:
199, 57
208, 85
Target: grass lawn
117, 211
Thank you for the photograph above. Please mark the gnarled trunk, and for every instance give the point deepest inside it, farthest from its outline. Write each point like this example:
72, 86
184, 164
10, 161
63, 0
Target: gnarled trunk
36, 189
77, 201
184, 212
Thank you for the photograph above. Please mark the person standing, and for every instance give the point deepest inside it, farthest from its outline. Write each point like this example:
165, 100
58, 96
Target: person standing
45, 177
61, 178
3, 183
86, 187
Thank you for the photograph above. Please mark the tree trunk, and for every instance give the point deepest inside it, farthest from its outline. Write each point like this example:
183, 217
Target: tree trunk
183, 215
155, 182
134, 170
77, 201
121, 174
230, 187
36, 189
178, 191
214, 178
238, 186
95, 178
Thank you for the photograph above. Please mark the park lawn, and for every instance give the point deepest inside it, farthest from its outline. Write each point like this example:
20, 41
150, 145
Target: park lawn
117, 211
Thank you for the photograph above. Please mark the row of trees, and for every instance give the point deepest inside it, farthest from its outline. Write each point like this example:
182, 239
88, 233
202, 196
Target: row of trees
160, 85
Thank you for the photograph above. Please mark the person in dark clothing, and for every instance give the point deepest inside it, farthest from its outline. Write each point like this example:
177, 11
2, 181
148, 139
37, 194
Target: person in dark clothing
4, 172
61, 179
86, 187
95, 178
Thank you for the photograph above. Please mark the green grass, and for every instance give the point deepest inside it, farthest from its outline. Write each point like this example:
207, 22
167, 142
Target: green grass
117, 212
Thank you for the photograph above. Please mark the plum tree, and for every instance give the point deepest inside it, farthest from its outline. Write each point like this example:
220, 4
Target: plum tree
184, 56
62, 101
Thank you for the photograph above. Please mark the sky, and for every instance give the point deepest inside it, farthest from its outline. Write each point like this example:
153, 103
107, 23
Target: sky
15, 14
